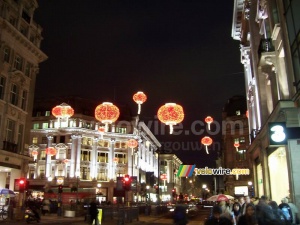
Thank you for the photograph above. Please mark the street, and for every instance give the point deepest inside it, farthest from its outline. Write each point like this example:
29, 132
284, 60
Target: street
151, 220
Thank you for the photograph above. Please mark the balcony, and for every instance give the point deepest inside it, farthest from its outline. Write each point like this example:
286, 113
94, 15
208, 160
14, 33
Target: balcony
10, 147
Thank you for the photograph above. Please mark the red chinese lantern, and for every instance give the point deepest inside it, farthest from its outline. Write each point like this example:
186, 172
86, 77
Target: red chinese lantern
50, 151
170, 114
236, 145
206, 141
65, 161
139, 98
132, 143
116, 160
107, 113
209, 120
34, 153
63, 111
101, 131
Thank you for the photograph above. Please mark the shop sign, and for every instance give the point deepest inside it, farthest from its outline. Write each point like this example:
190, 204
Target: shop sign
277, 134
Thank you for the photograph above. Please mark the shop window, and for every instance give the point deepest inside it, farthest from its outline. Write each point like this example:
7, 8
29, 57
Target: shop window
34, 140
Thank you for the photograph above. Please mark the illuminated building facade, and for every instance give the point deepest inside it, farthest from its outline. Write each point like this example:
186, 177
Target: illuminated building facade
20, 56
268, 32
87, 160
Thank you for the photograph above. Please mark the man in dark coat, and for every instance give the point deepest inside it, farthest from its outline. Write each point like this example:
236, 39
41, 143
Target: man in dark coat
216, 219
94, 212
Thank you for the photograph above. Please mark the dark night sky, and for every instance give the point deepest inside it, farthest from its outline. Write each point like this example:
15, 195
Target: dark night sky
173, 50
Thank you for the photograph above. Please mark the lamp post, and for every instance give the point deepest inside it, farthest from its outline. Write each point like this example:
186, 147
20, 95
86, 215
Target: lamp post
147, 191
250, 189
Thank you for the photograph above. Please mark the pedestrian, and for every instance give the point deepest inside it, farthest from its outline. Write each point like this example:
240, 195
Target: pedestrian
93, 212
216, 218
264, 212
295, 212
249, 217
180, 215
237, 211
286, 209
247, 201
279, 216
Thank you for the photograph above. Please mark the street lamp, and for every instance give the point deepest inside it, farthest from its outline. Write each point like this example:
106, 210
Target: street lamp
204, 186
147, 190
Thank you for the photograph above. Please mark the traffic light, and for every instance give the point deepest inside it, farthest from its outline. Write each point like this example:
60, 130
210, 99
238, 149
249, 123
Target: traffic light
174, 192
127, 182
22, 185
156, 189
60, 189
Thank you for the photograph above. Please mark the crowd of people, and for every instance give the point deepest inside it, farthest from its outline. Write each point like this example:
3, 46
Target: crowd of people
247, 211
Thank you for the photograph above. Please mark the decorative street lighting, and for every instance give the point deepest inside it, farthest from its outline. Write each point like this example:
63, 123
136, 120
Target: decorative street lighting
107, 113
139, 98
132, 143
170, 114
206, 141
209, 120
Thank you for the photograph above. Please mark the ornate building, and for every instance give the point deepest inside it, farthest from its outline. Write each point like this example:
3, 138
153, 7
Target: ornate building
86, 158
20, 56
235, 140
268, 32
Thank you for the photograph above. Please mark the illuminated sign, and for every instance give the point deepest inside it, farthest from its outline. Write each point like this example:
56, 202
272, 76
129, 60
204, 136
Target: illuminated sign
277, 134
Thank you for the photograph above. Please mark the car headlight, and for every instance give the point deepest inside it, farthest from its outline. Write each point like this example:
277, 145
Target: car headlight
171, 210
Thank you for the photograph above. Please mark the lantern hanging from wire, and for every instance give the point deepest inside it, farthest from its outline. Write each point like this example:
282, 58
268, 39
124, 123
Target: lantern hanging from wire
101, 131
170, 114
107, 113
63, 111
34, 153
236, 145
132, 143
139, 98
51, 151
206, 141
209, 120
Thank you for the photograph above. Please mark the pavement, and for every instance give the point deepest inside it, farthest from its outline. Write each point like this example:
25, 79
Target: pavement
80, 220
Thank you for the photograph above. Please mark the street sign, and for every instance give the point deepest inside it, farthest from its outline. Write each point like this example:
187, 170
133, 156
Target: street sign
163, 176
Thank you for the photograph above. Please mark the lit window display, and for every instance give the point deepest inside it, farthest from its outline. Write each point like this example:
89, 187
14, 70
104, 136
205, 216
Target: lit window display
279, 181
260, 183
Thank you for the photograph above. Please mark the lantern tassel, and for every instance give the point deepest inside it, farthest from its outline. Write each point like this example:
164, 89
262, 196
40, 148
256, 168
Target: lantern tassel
106, 127
237, 149
206, 148
208, 125
139, 108
171, 129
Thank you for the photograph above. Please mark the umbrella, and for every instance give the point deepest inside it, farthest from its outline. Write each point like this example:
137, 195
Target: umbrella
218, 198
7, 192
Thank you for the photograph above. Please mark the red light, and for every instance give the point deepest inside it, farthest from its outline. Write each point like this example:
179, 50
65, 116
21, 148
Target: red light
126, 179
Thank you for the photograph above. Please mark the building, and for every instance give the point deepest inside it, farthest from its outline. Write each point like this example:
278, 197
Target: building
20, 56
235, 141
86, 160
268, 32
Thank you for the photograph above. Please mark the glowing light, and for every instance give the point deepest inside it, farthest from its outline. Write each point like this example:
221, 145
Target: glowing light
132, 143
50, 151
101, 131
63, 111
236, 145
206, 141
139, 98
247, 114
209, 120
107, 113
170, 114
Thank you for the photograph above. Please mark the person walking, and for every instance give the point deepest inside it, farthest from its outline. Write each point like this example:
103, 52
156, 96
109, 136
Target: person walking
237, 211
295, 212
93, 212
286, 209
249, 217
216, 218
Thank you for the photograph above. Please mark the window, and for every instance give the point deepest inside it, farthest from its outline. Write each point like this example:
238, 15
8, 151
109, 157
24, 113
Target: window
121, 158
24, 100
23, 30
26, 16
85, 155
2, 87
36, 126
47, 113
238, 112
6, 55
102, 157
34, 140
121, 130
10, 130
18, 63
14, 94
28, 69
20, 137
45, 125
241, 155
12, 20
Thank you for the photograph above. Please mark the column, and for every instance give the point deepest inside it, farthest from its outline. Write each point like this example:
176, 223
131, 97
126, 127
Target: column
111, 159
78, 155
73, 155
93, 162
48, 157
